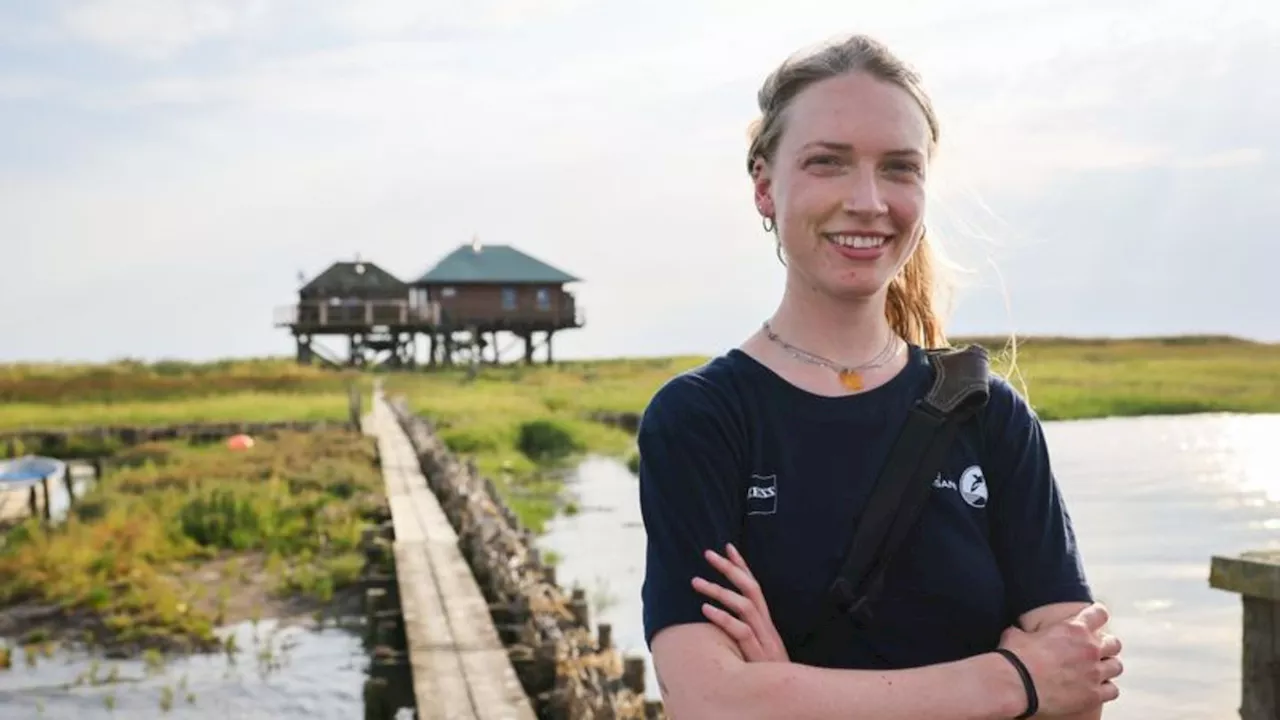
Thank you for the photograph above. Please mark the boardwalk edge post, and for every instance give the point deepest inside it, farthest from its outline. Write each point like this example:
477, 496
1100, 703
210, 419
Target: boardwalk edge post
1255, 576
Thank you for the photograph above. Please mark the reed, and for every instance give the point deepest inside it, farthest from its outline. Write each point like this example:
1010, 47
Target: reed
179, 539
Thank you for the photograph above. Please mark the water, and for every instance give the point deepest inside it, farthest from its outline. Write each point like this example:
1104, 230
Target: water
1153, 500
282, 671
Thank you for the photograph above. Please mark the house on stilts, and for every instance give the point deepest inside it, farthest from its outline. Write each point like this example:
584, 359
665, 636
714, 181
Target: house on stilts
476, 305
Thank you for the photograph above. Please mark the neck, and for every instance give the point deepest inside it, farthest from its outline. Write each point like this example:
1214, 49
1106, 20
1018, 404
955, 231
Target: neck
846, 331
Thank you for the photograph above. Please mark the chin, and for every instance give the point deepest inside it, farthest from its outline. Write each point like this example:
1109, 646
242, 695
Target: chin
857, 290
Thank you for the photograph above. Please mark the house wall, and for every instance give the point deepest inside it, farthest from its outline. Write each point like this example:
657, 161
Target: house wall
530, 303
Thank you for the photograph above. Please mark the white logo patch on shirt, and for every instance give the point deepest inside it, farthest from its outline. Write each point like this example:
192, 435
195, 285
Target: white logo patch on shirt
973, 486
762, 495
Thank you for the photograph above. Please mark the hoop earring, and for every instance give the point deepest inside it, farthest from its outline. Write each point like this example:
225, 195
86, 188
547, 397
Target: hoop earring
777, 249
768, 223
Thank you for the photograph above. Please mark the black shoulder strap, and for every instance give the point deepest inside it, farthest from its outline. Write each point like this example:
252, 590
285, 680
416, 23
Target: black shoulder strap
958, 392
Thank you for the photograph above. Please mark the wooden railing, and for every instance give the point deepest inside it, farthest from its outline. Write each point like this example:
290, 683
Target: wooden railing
370, 313
363, 313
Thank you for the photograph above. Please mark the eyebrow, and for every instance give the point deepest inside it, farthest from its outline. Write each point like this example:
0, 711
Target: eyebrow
847, 148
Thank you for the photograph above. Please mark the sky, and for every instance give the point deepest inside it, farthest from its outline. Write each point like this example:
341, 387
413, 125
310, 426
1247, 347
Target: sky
168, 168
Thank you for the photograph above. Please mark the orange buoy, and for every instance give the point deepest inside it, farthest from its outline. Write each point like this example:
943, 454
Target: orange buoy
239, 442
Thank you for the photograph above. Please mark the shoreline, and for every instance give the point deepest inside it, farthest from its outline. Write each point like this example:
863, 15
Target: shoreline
177, 541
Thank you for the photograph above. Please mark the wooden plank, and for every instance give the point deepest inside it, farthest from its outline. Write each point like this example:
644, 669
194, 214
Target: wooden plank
405, 519
495, 688
464, 604
440, 685
437, 525
460, 668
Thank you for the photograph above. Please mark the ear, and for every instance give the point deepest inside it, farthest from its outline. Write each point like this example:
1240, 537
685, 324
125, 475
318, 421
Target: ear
763, 186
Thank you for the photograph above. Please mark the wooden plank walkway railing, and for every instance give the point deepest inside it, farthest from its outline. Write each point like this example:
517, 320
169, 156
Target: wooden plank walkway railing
460, 668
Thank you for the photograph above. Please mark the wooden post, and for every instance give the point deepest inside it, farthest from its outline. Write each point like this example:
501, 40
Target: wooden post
579, 609
48, 508
1255, 576
353, 402
633, 673
69, 481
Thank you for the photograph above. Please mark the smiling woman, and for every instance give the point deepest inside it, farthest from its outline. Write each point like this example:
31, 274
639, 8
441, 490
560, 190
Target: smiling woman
779, 451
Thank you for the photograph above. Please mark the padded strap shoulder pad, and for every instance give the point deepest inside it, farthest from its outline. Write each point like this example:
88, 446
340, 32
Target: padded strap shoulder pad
961, 377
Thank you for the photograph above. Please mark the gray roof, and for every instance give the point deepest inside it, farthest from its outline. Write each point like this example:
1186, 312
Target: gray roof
474, 263
342, 277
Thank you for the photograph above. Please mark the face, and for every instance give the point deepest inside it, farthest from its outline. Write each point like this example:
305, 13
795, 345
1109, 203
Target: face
846, 186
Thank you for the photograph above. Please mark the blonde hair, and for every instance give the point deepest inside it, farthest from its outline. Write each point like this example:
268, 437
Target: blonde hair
911, 306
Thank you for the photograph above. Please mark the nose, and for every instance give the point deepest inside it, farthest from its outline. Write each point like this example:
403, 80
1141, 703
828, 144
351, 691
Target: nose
863, 195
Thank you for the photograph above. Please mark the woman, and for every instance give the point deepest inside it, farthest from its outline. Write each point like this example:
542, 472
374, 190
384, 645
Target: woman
772, 449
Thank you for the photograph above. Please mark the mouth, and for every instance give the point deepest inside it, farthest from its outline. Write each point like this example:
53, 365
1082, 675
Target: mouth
858, 244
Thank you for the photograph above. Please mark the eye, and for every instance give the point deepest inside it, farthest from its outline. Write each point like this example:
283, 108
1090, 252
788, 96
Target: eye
823, 161
904, 166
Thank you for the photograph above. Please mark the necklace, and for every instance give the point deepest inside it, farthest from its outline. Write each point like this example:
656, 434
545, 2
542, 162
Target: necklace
850, 377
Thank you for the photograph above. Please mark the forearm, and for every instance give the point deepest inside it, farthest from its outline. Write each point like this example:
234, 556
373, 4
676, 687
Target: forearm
1094, 714
979, 688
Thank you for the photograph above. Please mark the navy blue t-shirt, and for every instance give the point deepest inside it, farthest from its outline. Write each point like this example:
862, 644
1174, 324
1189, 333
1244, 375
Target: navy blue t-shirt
731, 452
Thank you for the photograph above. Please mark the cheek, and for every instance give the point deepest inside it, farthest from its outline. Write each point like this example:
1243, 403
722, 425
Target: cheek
906, 205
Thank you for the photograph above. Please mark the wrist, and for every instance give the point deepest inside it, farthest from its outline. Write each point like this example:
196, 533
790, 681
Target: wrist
1001, 684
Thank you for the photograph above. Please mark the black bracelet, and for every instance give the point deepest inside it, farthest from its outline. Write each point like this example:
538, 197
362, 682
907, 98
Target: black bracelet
1033, 700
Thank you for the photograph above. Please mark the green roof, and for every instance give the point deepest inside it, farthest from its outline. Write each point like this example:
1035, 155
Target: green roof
474, 263
346, 277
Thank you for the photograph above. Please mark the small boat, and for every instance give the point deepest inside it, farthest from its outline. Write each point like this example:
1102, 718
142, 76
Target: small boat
29, 470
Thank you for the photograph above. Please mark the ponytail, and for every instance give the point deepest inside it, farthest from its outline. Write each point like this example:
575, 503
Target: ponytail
910, 307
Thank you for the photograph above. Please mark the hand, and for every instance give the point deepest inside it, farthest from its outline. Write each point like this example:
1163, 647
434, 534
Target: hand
753, 628
1072, 663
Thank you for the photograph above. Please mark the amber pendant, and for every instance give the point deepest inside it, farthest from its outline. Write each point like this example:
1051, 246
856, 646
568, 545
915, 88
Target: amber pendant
851, 379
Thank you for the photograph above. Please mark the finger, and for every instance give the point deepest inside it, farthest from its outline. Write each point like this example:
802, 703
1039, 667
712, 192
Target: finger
741, 632
737, 558
748, 613
1112, 668
730, 599
739, 576
1094, 616
1108, 691
1110, 646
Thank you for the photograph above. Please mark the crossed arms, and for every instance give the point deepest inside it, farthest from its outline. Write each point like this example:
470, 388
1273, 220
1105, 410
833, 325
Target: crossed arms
735, 667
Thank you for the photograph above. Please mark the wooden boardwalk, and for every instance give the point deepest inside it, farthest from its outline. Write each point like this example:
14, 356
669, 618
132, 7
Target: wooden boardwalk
460, 668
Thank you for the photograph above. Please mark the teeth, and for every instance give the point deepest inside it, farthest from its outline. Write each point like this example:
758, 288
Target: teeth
857, 241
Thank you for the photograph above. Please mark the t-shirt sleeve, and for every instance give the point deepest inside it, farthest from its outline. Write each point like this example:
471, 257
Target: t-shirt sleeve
1032, 531
689, 460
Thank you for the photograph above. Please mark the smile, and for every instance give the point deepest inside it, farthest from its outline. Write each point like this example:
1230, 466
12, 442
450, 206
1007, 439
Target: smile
857, 242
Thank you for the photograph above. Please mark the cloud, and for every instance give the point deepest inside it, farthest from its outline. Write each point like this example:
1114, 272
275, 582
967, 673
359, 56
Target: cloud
397, 17
157, 29
28, 86
264, 139
1225, 159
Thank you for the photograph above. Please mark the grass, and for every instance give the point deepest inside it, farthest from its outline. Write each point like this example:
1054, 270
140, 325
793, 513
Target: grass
486, 417
184, 538
135, 393
523, 425
1069, 379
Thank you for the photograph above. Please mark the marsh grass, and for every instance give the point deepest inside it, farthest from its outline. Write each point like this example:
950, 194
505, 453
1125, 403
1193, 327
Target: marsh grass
183, 538
492, 416
1068, 379
523, 425
135, 393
